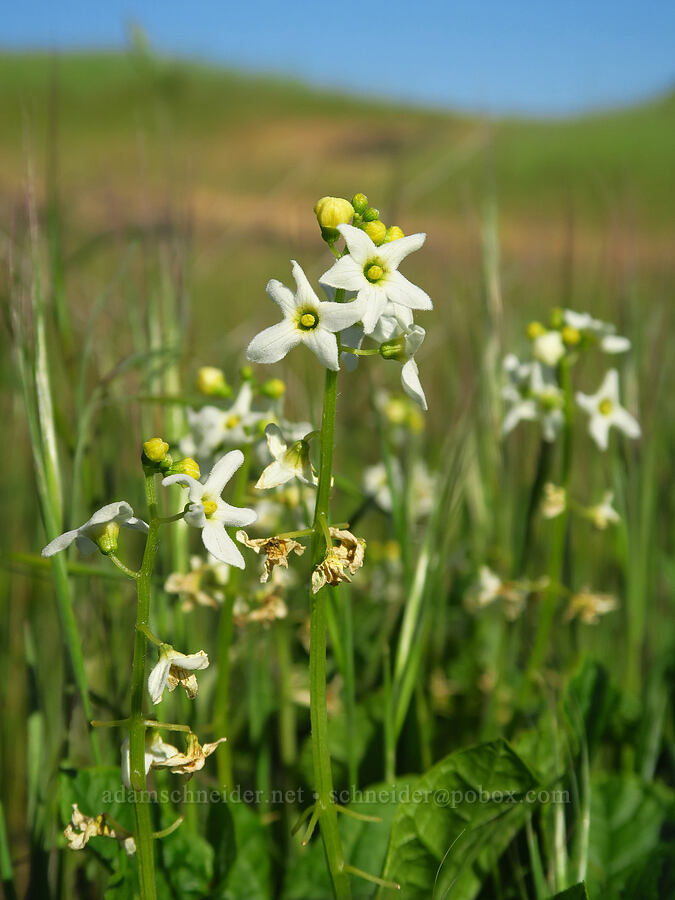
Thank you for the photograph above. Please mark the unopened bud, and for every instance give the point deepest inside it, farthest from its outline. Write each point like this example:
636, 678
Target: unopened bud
371, 214
393, 233
105, 537
186, 466
360, 203
274, 388
394, 349
571, 336
376, 231
211, 381
155, 449
535, 330
333, 211
246, 373
557, 317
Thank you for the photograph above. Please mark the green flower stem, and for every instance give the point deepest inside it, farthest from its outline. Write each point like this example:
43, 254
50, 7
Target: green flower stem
556, 559
323, 776
221, 703
144, 829
116, 561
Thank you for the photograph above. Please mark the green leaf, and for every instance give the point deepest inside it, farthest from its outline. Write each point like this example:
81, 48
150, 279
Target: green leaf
578, 892
248, 872
653, 878
364, 844
627, 815
457, 822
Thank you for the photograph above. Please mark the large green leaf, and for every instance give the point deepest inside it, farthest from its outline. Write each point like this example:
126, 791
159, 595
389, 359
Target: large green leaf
457, 822
578, 892
249, 872
627, 815
364, 844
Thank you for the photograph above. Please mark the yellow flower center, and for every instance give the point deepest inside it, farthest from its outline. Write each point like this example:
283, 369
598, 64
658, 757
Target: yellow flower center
571, 336
232, 421
535, 330
373, 272
308, 320
605, 406
209, 507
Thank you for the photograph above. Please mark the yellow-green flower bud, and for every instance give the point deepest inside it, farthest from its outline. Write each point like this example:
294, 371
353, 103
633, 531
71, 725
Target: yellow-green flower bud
396, 411
246, 373
571, 336
187, 466
333, 211
274, 388
371, 214
376, 231
211, 381
557, 317
360, 203
394, 349
155, 449
393, 234
105, 537
535, 330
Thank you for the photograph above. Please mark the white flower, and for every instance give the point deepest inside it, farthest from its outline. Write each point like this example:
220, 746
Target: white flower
548, 348
410, 373
604, 331
86, 536
174, 668
604, 410
212, 427
554, 501
307, 320
156, 751
289, 462
603, 513
531, 394
208, 511
373, 273
376, 483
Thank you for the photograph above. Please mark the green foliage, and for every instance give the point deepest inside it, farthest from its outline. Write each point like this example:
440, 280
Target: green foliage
578, 892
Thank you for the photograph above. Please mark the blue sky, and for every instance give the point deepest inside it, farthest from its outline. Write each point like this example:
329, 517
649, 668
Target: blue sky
548, 57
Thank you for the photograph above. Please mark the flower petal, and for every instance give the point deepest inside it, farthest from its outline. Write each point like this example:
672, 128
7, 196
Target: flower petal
158, 678
60, 543
336, 316
195, 488
400, 290
273, 343
193, 662
221, 473
599, 430
410, 380
119, 511
274, 475
610, 386
282, 295
623, 420
614, 343
324, 344
361, 247
235, 515
526, 410
395, 252
351, 337
218, 542
136, 524
346, 273
85, 545
375, 302
305, 292
275, 440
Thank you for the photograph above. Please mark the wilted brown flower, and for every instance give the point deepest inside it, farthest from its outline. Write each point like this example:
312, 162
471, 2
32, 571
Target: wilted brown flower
189, 762
588, 606
81, 829
348, 554
275, 551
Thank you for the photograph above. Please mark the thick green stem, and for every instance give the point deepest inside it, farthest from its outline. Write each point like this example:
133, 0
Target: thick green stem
221, 703
557, 556
323, 776
144, 829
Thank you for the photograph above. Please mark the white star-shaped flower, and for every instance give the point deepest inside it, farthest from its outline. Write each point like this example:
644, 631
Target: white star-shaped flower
307, 320
531, 394
603, 331
119, 513
288, 462
603, 513
373, 273
212, 427
209, 512
604, 410
174, 668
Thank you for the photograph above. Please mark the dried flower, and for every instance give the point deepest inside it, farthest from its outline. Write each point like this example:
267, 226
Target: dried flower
81, 829
275, 551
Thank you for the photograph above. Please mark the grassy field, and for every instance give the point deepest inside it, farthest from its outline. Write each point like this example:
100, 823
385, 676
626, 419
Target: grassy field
145, 203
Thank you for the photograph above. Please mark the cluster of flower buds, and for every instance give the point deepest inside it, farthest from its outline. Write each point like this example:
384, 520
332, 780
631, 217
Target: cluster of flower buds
334, 211
156, 458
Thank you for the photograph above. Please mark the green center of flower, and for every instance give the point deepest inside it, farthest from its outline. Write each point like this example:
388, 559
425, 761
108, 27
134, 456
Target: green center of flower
605, 406
210, 507
308, 320
374, 272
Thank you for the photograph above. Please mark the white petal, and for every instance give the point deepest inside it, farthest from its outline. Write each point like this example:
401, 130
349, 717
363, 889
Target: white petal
614, 343
395, 252
60, 543
85, 545
400, 290
193, 662
361, 248
387, 327
218, 542
242, 405
375, 302
351, 337
413, 339
158, 678
136, 524
336, 316
275, 440
410, 380
324, 344
599, 430
273, 343
274, 475
195, 515
119, 511
625, 422
587, 402
281, 295
305, 291
526, 410
346, 273
235, 515
195, 488
610, 386
221, 473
